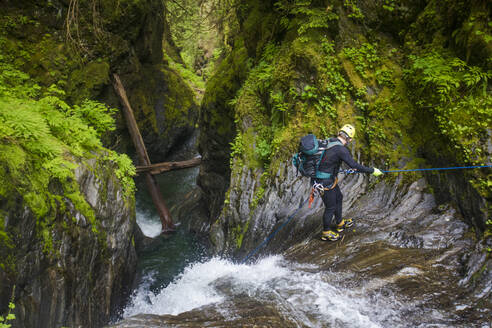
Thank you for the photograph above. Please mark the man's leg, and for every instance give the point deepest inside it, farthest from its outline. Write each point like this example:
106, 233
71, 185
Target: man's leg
329, 199
338, 205
340, 224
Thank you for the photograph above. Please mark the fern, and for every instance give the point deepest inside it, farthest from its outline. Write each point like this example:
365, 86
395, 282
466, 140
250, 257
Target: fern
456, 95
42, 138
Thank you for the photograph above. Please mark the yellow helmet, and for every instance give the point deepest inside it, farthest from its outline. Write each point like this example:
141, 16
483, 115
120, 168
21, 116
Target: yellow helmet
349, 130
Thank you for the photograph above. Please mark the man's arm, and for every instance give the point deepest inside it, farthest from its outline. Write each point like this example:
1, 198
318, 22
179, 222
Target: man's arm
347, 158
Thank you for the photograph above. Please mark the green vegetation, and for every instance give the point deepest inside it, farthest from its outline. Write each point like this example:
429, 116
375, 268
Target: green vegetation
307, 17
389, 5
455, 95
364, 58
4, 321
198, 28
306, 79
280, 103
43, 140
238, 233
196, 82
353, 11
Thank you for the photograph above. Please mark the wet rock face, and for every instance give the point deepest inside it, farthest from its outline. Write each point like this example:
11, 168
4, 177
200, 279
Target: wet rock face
415, 251
87, 273
398, 225
214, 148
455, 187
239, 312
407, 262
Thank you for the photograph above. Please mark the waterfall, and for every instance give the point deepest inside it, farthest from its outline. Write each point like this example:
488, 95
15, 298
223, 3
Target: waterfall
309, 298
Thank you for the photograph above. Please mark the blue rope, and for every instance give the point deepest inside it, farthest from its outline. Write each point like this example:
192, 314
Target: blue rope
349, 171
441, 168
273, 233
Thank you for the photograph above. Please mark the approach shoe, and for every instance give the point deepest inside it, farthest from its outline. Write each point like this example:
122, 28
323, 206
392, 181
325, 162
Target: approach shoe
344, 225
330, 236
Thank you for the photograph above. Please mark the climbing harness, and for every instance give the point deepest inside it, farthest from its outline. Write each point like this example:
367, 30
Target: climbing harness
349, 171
319, 189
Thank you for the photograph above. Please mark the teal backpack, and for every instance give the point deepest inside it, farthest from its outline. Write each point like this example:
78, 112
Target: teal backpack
311, 151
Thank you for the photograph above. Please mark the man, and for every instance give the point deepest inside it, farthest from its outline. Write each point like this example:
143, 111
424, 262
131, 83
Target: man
332, 196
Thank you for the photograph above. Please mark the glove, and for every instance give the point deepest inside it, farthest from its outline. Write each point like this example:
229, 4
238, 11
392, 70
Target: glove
377, 172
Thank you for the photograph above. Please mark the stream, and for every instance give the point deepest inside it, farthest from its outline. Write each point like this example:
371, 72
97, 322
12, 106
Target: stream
169, 254
375, 277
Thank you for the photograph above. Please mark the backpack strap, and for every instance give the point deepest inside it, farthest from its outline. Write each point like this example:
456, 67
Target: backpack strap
325, 175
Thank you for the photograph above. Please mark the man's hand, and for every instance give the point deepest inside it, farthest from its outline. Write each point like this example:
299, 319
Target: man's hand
377, 172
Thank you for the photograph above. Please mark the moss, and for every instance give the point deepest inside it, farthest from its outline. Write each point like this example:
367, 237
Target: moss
87, 81
238, 233
178, 101
221, 88
162, 102
7, 260
354, 78
196, 83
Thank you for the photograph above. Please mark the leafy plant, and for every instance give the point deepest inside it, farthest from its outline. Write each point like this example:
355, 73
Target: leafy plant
389, 5
43, 140
456, 96
311, 17
4, 321
237, 147
383, 77
263, 150
354, 11
365, 58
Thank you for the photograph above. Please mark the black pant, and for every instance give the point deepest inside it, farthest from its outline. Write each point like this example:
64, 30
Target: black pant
332, 199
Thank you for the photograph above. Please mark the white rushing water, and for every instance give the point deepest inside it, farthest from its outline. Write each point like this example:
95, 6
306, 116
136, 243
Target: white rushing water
303, 296
302, 293
149, 224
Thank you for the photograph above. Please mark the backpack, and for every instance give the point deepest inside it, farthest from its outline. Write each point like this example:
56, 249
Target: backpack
311, 151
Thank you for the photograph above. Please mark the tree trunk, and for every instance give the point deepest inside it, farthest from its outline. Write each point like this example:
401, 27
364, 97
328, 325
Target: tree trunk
143, 157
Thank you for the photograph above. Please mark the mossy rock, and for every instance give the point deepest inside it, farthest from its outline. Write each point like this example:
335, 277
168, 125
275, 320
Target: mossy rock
87, 82
164, 106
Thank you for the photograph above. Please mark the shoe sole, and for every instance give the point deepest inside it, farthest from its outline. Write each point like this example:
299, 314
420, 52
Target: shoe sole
345, 227
327, 239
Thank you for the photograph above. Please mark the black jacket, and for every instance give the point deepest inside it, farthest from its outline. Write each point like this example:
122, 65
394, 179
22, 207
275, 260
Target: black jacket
332, 160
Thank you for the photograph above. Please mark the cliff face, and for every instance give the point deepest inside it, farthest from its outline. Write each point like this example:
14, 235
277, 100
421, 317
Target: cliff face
397, 70
381, 66
84, 274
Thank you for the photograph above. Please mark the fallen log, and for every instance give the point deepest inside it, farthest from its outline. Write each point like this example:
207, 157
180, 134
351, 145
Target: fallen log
168, 166
143, 157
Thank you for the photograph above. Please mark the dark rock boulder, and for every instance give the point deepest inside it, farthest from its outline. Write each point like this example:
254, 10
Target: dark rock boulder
72, 272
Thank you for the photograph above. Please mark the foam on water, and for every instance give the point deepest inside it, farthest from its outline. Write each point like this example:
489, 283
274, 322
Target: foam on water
149, 224
306, 297
193, 288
